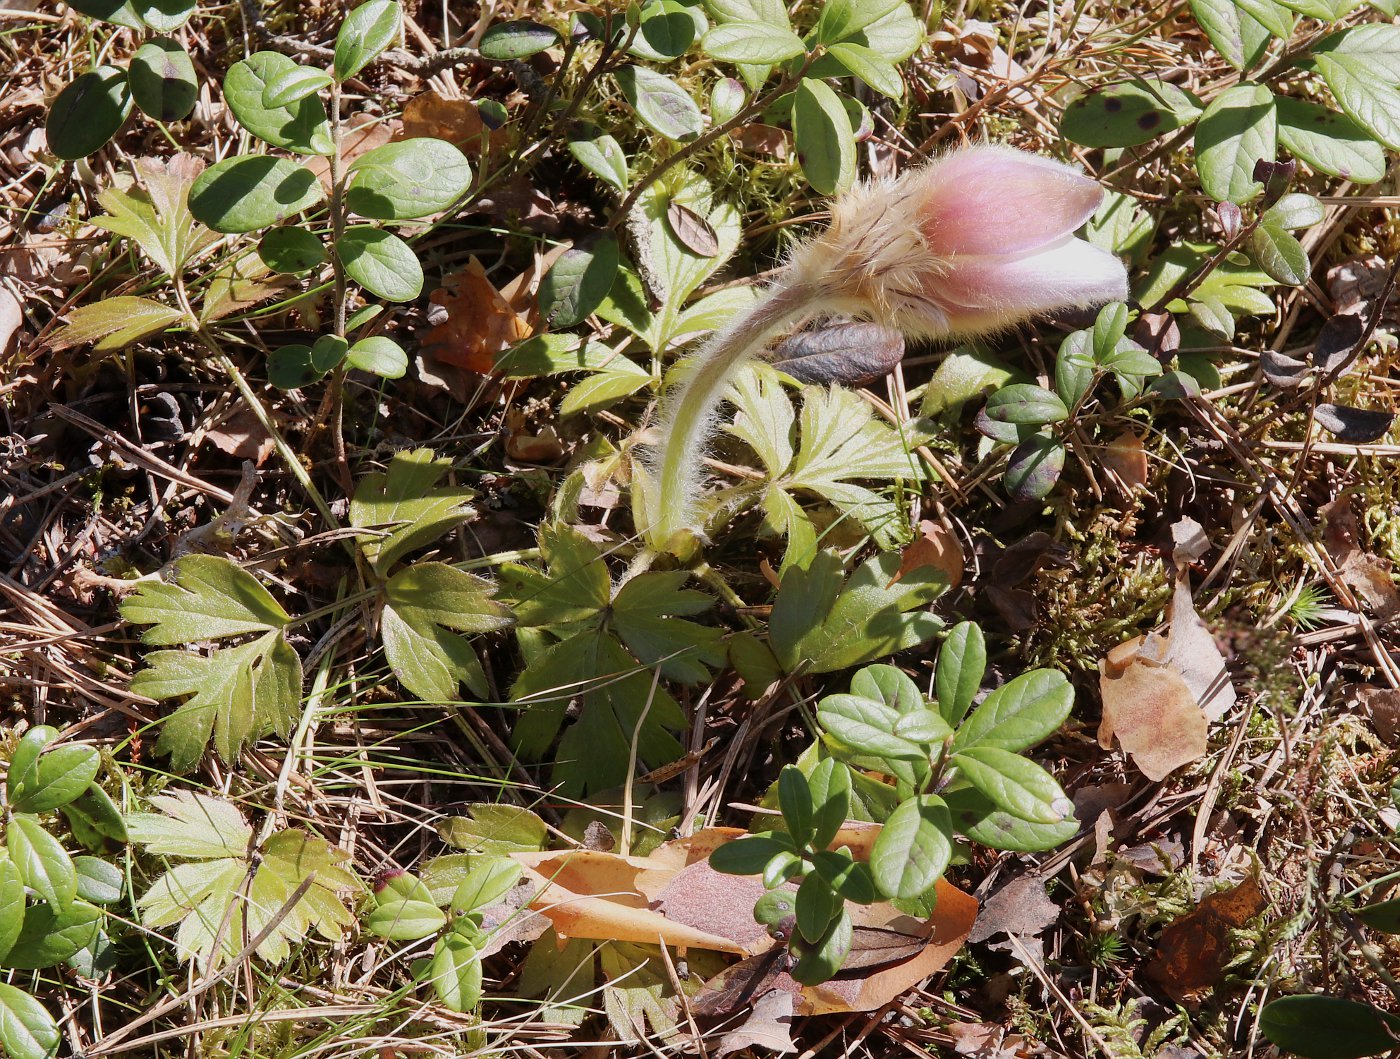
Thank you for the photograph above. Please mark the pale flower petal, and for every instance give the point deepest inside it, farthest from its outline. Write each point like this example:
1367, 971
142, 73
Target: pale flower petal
998, 200
990, 292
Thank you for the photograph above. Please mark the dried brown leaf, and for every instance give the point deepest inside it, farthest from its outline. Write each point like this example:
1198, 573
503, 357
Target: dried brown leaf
1195, 949
1151, 711
936, 546
1127, 458
1021, 907
479, 324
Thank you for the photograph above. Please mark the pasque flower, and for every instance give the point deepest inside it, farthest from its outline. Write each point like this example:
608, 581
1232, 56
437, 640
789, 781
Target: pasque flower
976, 241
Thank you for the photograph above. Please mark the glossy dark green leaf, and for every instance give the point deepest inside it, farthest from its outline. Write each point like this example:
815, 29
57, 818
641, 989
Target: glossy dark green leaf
162, 80
816, 907
42, 862
825, 141
12, 901
1127, 114
1015, 784
823, 960
957, 675
604, 158
843, 19
1020, 713
666, 29
760, 43
381, 263
408, 179
1324, 1027
99, 882
1278, 252
27, 1030
118, 12
301, 126
95, 818
328, 353
88, 112
1383, 916
61, 775
866, 727
380, 356
23, 770
829, 784
291, 250
1359, 66
977, 817
365, 35
252, 191
780, 869
289, 367
164, 16
774, 907
1330, 142
295, 85
913, 848
847, 877
578, 282
1033, 468
749, 854
1238, 37
516, 40
664, 106
48, 937
1025, 404
1237, 130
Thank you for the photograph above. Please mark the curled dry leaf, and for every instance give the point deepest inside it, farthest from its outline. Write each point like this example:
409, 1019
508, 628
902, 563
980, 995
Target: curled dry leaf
1189, 542
1356, 426
849, 353
936, 546
1381, 706
1127, 458
768, 1027
1369, 576
1195, 949
479, 322
691, 230
673, 897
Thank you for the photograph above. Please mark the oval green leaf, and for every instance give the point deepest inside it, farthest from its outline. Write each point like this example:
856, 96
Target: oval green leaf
383, 264
295, 85
826, 144
664, 106
43, 865
957, 675
61, 776
88, 112
913, 848
291, 250
364, 35
27, 1030
164, 16
516, 40
1325, 1027
1128, 114
1015, 784
760, 43
1328, 141
1278, 253
578, 282
1033, 468
162, 80
1238, 129
1020, 713
252, 191
301, 126
412, 178
289, 367
379, 356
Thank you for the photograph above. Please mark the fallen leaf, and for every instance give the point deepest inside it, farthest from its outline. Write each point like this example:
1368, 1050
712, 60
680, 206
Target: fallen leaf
1127, 458
1369, 575
544, 447
1381, 706
1283, 371
849, 353
1336, 340
1021, 908
11, 318
479, 322
691, 230
241, 435
1189, 542
1353, 425
1150, 710
1195, 949
768, 1026
762, 140
1191, 651
364, 134
935, 546
455, 120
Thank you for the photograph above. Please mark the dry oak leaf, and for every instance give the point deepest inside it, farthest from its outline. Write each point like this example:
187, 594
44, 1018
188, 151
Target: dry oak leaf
479, 322
1195, 949
673, 897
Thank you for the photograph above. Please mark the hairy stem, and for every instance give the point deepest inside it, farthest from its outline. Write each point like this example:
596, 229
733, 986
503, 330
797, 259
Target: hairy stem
670, 500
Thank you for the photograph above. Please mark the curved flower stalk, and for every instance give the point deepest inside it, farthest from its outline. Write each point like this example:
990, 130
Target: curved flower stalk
977, 241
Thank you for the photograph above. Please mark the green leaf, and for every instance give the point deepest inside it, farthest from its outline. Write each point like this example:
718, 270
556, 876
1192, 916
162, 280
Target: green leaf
1238, 129
957, 675
1324, 1027
43, 865
408, 179
1023, 404
518, 39
421, 604
455, 972
406, 508
826, 145
253, 191
488, 881
364, 35
206, 598
88, 112
1383, 916
663, 105
1296, 211
165, 16
494, 830
867, 727
604, 157
1237, 36
155, 214
22, 773
405, 920
328, 352
1369, 101
232, 696
1127, 114
291, 250
841, 19
749, 854
162, 80
644, 614
115, 323
1020, 713
816, 906
380, 356
976, 816
94, 818
393, 886
1033, 468
61, 776
118, 12
1273, 17
913, 848
27, 1030
383, 264
849, 878
666, 29
192, 825
1328, 141
824, 959
578, 282
1015, 784
827, 622
829, 785
301, 126
290, 367
50, 937
795, 800
12, 899
875, 70
752, 42
294, 85
1279, 253
99, 882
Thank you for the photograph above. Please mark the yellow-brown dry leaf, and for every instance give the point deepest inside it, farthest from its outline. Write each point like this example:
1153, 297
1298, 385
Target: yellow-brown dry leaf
480, 322
455, 120
1126, 457
936, 546
1151, 711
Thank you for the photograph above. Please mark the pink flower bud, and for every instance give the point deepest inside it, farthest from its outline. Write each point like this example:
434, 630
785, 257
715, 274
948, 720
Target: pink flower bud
976, 241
